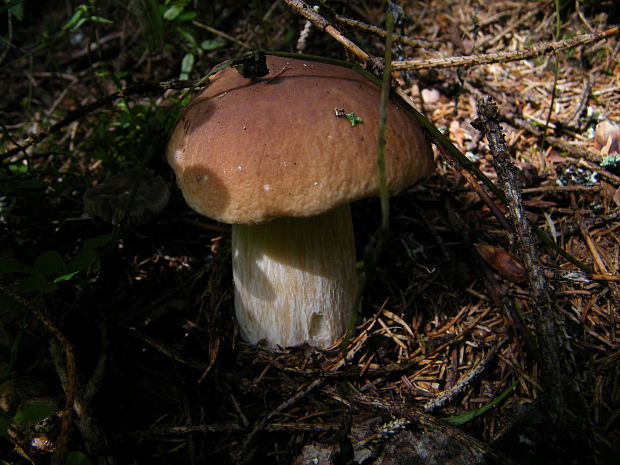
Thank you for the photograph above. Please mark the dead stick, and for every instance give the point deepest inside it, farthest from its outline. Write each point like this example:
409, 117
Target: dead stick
465, 379
415, 415
543, 48
557, 365
322, 24
383, 33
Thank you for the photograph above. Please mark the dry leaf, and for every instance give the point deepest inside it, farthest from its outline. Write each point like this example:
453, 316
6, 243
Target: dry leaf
502, 262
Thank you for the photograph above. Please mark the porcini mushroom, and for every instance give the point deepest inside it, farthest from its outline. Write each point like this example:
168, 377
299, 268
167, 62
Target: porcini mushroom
280, 157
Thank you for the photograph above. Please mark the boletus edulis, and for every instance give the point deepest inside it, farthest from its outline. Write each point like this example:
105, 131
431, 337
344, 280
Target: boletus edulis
280, 157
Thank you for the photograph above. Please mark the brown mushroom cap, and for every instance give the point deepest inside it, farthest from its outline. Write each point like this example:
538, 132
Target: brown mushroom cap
247, 151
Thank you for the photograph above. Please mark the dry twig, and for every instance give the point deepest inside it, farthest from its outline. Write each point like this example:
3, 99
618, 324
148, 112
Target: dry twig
323, 25
543, 48
383, 33
415, 415
557, 365
464, 380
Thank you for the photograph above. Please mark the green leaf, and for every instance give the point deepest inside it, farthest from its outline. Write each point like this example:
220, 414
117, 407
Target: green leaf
187, 36
86, 257
466, 417
9, 266
36, 282
99, 19
75, 457
354, 119
97, 242
33, 414
187, 16
187, 65
78, 24
81, 15
48, 263
16, 7
19, 169
171, 13
82, 261
65, 277
151, 18
76, 20
212, 44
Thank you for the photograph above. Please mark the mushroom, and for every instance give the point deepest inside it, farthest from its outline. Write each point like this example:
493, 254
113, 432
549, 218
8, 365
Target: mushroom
280, 157
135, 193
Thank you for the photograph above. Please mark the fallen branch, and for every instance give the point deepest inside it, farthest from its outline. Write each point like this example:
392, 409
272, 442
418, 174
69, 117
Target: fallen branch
383, 33
323, 25
414, 415
558, 364
542, 48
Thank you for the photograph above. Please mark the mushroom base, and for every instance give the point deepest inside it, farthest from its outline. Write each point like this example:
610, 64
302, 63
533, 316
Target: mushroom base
295, 279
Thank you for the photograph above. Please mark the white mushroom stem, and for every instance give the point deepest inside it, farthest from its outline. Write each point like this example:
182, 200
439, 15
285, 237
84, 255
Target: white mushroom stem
295, 279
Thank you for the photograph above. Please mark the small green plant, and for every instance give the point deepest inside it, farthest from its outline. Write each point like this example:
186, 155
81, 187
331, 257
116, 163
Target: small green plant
175, 13
128, 134
352, 117
171, 25
49, 268
14, 7
466, 417
33, 413
84, 14
16, 179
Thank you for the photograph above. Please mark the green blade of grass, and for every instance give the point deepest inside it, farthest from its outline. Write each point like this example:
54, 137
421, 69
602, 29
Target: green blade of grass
459, 420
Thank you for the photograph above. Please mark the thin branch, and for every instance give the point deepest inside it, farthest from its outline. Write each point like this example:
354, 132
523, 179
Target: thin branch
465, 379
415, 415
232, 428
323, 25
383, 33
543, 48
558, 365
223, 35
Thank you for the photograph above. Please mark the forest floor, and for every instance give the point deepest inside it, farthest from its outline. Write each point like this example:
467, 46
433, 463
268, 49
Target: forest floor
118, 342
